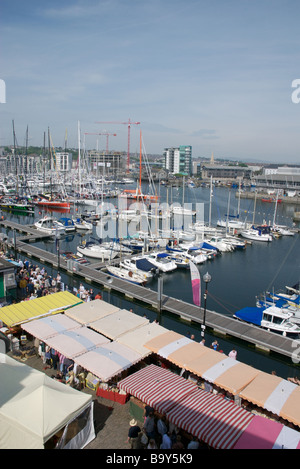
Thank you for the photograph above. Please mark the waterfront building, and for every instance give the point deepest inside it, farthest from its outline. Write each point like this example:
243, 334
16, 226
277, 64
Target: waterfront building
220, 172
63, 161
178, 160
102, 162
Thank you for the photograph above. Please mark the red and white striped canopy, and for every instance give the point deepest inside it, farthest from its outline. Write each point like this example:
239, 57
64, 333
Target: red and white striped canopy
216, 421
211, 418
157, 387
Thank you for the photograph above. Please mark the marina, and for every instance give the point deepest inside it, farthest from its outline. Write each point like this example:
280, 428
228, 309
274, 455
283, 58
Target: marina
97, 275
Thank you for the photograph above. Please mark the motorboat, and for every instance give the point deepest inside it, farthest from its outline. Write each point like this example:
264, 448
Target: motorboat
50, 202
125, 274
49, 225
132, 265
161, 261
272, 318
67, 223
182, 210
257, 234
282, 230
17, 205
181, 260
96, 251
220, 244
191, 254
82, 225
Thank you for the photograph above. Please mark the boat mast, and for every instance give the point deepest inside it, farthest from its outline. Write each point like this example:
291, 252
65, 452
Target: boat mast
15, 155
210, 199
79, 162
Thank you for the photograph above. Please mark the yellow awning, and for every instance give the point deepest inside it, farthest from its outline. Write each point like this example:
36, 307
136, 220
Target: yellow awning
19, 313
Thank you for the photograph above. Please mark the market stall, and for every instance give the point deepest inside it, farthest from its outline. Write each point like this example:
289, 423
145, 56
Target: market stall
118, 323
44, 328
215, 420
137, 338
108, 360
90, 311
263, 433
211, 418
277, 395
212, 366
36, 410
74, 343
19, 313
157, 387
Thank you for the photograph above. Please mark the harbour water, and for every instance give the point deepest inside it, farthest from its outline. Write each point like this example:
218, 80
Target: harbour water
237, 277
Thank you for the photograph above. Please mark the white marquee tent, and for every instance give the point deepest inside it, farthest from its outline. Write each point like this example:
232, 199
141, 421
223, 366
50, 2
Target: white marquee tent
34, 408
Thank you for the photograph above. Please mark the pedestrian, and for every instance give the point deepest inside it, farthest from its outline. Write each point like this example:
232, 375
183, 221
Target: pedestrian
161, 426
149, 426
166, 441
133, 432
178, 444
215, 345
152, 444
202, 342
233, 354
193, 444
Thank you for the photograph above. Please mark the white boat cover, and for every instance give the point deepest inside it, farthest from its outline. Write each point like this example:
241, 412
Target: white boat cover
90, 311
34, 407
74, 343
118, 323
49, 326
109, 360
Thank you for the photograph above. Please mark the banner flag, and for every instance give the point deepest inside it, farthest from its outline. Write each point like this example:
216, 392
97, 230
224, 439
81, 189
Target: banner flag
196, 284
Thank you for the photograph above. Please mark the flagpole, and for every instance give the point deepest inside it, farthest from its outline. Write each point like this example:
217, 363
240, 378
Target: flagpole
206, 279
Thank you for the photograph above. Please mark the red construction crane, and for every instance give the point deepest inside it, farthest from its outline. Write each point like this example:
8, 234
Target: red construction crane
129, 123
104, 133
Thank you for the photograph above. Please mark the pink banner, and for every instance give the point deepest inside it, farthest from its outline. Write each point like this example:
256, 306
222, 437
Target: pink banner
196, 284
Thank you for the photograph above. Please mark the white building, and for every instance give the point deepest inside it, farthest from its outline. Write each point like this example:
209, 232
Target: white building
63, 161
179, 160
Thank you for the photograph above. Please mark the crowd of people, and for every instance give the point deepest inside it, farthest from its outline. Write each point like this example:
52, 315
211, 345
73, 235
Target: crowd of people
157, 433
34, 282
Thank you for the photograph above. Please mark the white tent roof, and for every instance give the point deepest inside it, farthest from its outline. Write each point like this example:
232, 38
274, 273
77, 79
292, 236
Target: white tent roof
33, 407
137, 339
76, 342
49, 326
90, 311
109, 360
118, 323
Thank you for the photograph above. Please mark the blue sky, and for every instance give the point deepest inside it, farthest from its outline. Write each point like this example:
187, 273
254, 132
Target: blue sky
215, 74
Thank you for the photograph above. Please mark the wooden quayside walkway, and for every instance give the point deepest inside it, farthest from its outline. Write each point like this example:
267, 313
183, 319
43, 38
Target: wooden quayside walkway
95, 274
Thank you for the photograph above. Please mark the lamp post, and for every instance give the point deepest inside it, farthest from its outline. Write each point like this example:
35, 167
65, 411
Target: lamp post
206, 278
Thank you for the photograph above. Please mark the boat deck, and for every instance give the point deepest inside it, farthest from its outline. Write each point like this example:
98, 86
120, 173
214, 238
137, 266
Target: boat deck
93, 274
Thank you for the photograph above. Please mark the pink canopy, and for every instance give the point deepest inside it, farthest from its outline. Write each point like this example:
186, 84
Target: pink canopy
263, 433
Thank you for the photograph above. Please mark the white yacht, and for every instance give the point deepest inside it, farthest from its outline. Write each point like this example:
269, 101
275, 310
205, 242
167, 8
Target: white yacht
49, 225
272, 319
